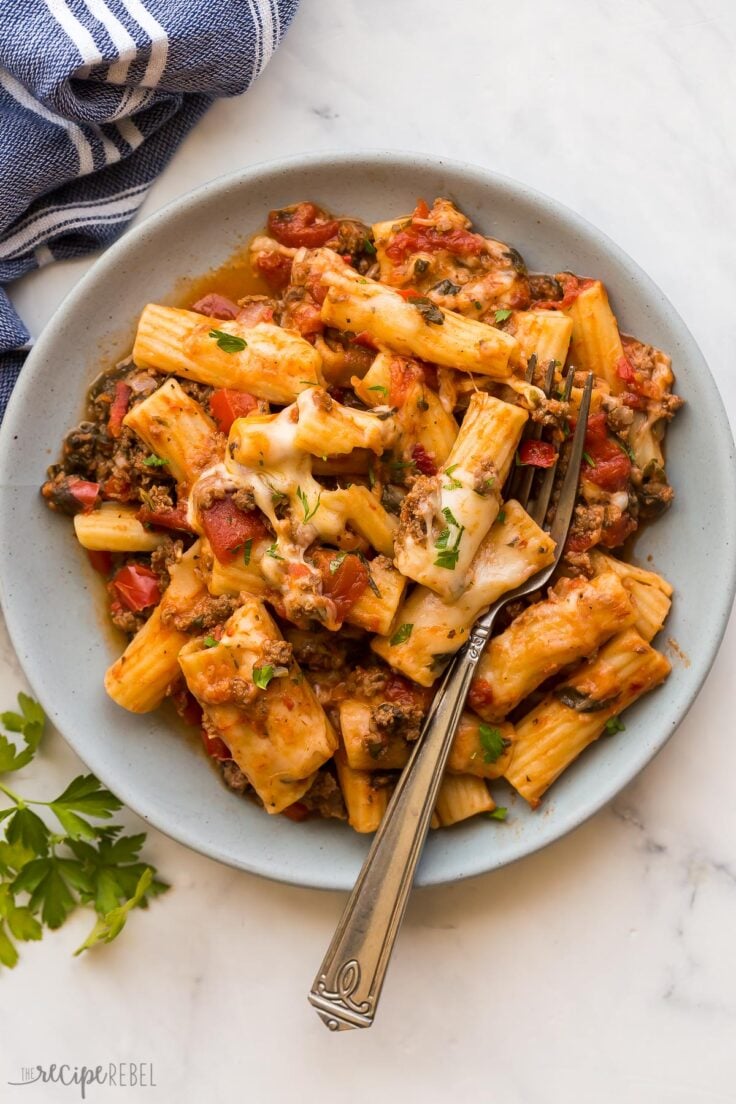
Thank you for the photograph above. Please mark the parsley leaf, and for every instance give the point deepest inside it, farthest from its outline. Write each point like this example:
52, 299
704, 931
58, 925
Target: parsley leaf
589, 460
305, 504
369, 247
501, 517
210, 642
247, 549
492, 741
614, 725
501, 315
263, 675
402, 634
449, 517
500, 813
271, 551
452, 484
379, 387
154, 461
30, 723
336, 561
229, 343
109, 926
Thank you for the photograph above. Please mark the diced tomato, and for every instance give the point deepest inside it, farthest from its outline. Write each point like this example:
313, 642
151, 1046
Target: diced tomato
166, 519
428, 239
215, 746
625, 369
185, 704
615, 534
303, 225
298, 811
117, 489
217, 306
636, 402
101, 561
275, 268
611, 466
481, 695
119, 408
400, 690
421, 211
571, 288
306, 318
538, 454
346, 584
85, 493
402, 374
227, 528
227, 405
136, 586
364, 338
258, 310
410, 293
424, 462
297, 571
580, 542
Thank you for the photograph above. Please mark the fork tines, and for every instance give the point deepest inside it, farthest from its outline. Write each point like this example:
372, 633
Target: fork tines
528, 483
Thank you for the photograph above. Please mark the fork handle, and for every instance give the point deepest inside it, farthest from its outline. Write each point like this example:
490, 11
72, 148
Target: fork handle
346, 990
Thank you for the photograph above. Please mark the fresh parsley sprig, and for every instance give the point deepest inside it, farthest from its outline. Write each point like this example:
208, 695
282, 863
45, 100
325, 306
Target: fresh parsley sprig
46, 874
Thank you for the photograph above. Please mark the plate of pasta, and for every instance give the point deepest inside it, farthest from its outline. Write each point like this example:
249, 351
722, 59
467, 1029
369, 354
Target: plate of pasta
279, 432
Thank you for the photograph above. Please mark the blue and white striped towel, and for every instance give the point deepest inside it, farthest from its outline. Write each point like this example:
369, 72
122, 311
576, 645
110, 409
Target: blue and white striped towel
95, 96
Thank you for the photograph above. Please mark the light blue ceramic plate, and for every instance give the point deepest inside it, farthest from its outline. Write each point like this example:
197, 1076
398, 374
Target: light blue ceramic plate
50, 594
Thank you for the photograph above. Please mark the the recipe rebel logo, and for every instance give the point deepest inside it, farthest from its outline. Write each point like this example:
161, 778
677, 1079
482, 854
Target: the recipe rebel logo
119, 1075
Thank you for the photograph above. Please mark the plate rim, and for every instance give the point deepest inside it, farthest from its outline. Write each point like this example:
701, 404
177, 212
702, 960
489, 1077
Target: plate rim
340, 160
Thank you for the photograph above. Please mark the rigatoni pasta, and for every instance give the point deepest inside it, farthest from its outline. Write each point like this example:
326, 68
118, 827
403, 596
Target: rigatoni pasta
300, 504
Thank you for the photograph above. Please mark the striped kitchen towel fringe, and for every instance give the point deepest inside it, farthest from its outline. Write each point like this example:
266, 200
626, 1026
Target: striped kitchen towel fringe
95, 96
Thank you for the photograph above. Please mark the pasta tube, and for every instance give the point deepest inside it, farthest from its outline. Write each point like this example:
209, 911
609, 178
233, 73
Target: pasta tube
139, 679
177, 430
650, 593
326, 427
514, 549
256, 698
576, 618
544, 334
460, 797
269, 362
444, 518
550, 737
418, 329
115, 528
596, 343
365, 801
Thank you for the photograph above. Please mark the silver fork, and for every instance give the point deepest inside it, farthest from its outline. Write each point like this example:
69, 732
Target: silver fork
346, 990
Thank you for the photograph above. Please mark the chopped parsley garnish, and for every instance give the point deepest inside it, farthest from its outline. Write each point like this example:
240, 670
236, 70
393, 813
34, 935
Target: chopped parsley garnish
308, 513
501, 315
210, 642
271, 551
154, 461
379, 387
477, 304
589, 460
402, 634
494, 744
229, 343
336, 561
369, 247
452, 484
614, 725
247, 549
501, 516
448, 557
498, 814
263, 675
450, 517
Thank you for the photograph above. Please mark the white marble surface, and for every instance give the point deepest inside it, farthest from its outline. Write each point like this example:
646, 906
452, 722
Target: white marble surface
602, 969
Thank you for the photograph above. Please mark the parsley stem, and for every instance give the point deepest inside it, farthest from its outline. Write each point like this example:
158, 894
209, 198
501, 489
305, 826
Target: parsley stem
13, 796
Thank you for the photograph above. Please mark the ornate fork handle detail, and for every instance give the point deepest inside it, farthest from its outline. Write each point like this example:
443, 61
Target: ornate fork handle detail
346, 990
